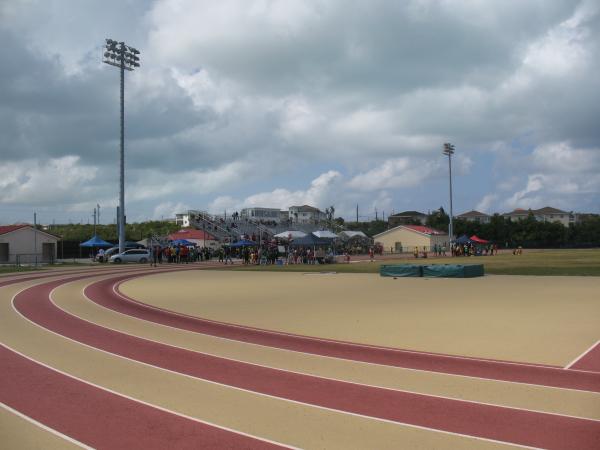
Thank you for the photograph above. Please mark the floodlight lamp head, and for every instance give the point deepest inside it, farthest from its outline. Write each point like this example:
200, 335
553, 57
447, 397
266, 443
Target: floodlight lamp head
448, 149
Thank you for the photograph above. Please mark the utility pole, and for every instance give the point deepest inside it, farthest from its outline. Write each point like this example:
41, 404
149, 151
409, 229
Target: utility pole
357, 213
98, 208
376, 215
95, 212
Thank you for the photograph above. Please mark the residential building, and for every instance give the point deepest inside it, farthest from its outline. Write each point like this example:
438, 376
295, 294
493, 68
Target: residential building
404, 238
270, 214
475, 216
545, 214
407, 218
306, 214
23, 244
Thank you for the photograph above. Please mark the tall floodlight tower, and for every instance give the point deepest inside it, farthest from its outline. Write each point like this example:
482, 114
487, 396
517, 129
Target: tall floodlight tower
449, 151
125, 58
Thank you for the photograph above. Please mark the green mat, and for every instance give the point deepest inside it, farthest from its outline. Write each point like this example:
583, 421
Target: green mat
401, 270
453, 271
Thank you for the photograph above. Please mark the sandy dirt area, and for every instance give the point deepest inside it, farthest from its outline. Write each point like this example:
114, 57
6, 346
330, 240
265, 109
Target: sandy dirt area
547, 320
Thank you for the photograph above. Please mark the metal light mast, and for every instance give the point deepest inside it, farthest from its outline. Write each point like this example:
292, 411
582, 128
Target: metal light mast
125, 58
449, 151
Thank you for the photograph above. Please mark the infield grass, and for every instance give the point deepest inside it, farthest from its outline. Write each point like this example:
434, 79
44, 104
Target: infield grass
585, 262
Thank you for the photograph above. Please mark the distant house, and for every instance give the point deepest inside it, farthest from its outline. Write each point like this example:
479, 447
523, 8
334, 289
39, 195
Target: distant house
24, 244
256, 213
545, 214
475, 216
306, 214
404, 238
407, 218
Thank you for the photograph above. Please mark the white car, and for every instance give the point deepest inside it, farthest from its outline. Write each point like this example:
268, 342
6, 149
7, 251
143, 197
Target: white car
134, 255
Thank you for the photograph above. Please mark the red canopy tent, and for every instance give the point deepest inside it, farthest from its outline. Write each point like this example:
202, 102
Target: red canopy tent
478, 240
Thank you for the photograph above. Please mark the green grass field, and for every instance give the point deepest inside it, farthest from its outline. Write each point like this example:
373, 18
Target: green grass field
531, 262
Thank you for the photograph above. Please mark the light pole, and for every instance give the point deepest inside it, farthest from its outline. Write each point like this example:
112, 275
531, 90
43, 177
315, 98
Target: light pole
125, 58
449, 150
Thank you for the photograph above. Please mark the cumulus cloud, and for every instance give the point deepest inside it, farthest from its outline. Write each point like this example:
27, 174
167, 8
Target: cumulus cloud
52, 181
235, 100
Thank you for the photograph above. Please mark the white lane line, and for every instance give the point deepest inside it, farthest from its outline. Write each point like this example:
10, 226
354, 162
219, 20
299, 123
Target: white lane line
195, 419
46, 428
315, 355
568, 366
474, 402
237, 389
335, 341
244, 327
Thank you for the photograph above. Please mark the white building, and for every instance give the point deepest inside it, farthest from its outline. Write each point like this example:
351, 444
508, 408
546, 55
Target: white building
306, 214
23, 244
545, 214
475, 216
271, 214
184, 219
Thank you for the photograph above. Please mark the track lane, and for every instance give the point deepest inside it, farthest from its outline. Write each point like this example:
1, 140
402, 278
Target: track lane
257, 414
69, 298
104, 294
104, 419
449, 415
18, 431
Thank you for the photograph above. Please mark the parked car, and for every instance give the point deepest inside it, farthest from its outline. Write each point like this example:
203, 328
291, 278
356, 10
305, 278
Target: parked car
134, 255
114, 250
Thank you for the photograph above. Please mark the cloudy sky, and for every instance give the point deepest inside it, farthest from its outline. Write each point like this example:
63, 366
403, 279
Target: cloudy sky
274, 103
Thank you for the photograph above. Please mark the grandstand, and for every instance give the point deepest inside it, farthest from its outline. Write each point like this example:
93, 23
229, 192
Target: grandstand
231, 228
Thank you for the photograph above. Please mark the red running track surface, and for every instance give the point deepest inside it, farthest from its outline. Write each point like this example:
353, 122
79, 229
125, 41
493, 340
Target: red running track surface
102, 419
469, 418
102, 293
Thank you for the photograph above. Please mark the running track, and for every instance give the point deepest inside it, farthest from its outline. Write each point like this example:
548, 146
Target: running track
467, 418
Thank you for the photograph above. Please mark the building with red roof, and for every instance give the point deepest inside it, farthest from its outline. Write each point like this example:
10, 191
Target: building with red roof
404, 238
198, 237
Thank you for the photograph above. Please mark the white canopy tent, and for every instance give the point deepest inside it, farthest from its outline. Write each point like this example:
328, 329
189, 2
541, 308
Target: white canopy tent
293, 234
351, 234
325, 234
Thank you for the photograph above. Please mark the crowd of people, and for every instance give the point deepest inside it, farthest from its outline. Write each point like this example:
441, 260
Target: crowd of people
179, 254
470, 249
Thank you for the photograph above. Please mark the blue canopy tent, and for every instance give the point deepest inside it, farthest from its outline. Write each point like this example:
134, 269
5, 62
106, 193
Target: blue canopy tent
243, 243
96, 242
310, 240
462, 240
182, 242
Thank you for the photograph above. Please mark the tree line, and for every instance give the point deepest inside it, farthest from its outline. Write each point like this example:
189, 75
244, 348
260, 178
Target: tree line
527, 232
133, 231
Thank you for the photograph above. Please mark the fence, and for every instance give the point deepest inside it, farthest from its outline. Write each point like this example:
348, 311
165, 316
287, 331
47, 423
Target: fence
21, 259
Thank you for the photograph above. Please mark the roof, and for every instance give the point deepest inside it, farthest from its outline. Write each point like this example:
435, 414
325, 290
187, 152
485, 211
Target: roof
5, 229
543, 211
421, 229
473, 214
306, 208
518, 212
9, 228
352, 234
408, 213
190, 234
549, 210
